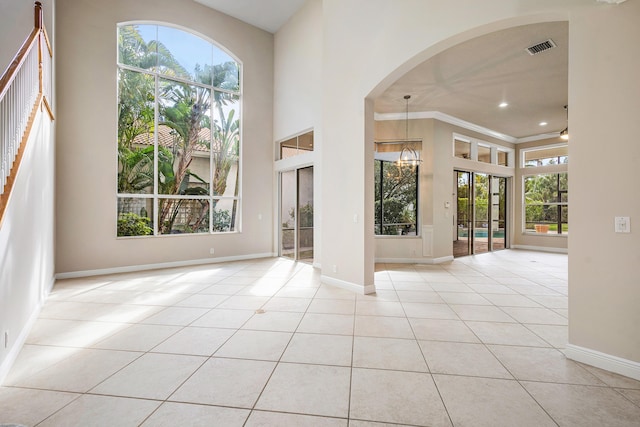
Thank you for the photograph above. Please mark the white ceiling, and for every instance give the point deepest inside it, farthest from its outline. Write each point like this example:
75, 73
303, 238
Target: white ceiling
467, 81
269, 15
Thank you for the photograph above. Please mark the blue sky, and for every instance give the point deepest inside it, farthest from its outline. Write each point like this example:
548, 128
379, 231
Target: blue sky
187, 48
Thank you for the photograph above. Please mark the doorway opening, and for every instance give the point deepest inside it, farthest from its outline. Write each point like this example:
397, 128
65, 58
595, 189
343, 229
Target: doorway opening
481, 213
296, 214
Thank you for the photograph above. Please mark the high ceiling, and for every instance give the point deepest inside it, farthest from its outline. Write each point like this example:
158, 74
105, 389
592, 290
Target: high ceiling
269, 15
470, 80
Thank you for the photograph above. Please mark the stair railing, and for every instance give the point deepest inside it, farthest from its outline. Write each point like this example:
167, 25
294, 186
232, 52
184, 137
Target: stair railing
25, 86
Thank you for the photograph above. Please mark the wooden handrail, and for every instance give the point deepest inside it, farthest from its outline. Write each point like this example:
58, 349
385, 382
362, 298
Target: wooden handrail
18, 60
37, 39
38, 16
11, 71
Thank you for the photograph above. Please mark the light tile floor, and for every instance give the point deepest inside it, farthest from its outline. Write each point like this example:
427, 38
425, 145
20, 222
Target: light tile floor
474, 342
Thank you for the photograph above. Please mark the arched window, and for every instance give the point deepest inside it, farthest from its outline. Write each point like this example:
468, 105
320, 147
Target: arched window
178, 133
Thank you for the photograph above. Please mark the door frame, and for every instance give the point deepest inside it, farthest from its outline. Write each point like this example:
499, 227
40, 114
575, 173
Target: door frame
296, 225
471, 233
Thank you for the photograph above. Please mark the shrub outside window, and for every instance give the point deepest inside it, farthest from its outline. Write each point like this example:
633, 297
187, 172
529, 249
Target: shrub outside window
546, 203
396, 198
178, 133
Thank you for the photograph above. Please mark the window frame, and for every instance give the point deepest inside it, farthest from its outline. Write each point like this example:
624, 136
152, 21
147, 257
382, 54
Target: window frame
558, 203
475, 144
155, 196
377, 194
522, 162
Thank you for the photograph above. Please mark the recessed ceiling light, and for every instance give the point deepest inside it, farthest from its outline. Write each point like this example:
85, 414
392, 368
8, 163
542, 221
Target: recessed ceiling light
543, 123
503, 104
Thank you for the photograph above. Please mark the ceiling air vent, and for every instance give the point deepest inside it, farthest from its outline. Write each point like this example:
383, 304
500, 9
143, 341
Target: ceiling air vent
541, 47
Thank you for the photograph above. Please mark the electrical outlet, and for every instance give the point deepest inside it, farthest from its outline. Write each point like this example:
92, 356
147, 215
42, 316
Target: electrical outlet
212, 251
6, 339
334, 268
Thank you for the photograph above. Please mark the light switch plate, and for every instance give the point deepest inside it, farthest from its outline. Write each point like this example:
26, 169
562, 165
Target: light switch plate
622, 224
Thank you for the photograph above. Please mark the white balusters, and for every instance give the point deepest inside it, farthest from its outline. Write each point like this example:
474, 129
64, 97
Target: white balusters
15, 107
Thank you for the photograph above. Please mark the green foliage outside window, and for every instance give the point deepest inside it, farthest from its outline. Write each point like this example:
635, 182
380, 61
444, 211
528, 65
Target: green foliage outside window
546, 203
185, 109
396, 204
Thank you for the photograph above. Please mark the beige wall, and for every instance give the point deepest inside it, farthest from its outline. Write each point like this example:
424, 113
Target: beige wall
86, 157
298, 89
17, 22
436, 188
604, 103
361, 58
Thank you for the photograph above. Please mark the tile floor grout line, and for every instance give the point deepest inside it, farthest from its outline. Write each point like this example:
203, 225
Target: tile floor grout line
424, 357
358, 302
279, 361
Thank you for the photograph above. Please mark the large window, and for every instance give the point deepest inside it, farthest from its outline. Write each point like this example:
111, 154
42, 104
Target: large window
178, 133
546, 203
396, 197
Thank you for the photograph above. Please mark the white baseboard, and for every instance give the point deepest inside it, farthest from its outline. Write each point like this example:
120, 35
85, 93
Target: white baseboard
144, 267
541, 249
363, 290
604, 361
8, 361
415, 260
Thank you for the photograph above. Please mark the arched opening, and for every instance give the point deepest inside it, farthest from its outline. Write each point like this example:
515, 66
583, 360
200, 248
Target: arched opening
459, 88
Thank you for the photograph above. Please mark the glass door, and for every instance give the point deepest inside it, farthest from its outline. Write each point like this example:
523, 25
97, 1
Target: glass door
480, 196
305, 214
288, 191
296, 214
498, 213
481, 213
464, 204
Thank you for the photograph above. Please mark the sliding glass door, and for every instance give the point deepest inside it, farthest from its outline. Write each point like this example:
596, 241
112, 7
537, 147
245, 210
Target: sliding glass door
296, 214
464, 214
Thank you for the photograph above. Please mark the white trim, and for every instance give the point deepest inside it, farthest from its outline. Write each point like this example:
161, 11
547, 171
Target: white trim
11, 357
621, 366
560, 144
447, 119
416, 260
296, 162
539, 137
463, 124
359, 289
541, 249
134, 268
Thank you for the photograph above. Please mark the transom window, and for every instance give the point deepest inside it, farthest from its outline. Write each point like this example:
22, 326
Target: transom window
297, 145
554, 155
178, 133
481, 151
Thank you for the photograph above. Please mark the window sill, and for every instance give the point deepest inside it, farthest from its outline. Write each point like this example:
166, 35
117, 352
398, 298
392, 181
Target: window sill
389, 236
533, 233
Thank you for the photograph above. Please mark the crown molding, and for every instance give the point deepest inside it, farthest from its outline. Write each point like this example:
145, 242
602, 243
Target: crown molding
463, 124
